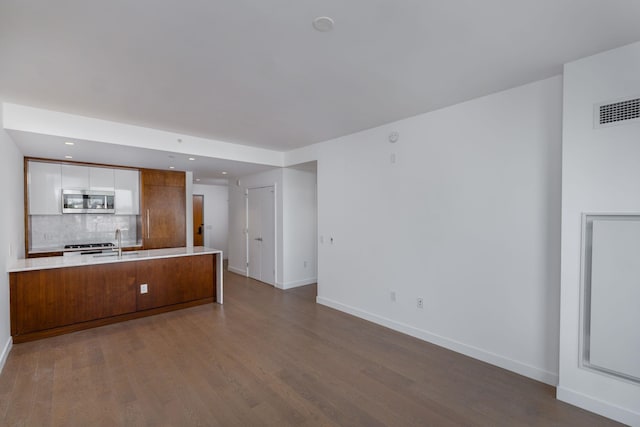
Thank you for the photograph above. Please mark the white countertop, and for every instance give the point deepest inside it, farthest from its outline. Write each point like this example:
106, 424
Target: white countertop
80, 260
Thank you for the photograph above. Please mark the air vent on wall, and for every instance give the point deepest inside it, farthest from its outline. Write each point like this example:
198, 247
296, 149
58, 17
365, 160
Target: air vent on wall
620, 112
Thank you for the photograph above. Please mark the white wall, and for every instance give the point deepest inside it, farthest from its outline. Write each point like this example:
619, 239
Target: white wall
601, 174
299, 228
11, 227
216, 215
468, 218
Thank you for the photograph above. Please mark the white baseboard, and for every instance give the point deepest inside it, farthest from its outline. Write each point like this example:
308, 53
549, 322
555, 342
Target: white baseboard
5, 353
297, 283
606, 409
242, 272
477, 353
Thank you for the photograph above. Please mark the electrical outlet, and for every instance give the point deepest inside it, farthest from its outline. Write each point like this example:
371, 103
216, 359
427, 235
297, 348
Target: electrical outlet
144, 288
392, 296
420, 303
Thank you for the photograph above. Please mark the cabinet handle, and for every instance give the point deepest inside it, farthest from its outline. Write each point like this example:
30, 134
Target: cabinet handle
148, 225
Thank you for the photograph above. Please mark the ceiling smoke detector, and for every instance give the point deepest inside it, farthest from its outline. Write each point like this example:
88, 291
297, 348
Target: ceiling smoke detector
323, 24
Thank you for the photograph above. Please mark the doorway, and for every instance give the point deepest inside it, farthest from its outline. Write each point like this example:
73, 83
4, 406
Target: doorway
261, 244
198, 220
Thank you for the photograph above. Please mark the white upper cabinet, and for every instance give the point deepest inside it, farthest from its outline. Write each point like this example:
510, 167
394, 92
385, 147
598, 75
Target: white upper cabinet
44, 182
101, 179
87, 178
127, 184
75, 177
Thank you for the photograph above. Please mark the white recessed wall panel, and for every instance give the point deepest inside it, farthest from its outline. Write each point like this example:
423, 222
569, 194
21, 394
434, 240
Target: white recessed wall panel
615, 297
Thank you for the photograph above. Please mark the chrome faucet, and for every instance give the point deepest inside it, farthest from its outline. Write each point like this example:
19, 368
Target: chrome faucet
119, 239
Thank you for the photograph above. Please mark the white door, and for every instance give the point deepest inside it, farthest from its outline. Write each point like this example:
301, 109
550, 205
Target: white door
261, 234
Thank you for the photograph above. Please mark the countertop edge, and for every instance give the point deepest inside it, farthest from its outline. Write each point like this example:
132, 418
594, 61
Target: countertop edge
48, 263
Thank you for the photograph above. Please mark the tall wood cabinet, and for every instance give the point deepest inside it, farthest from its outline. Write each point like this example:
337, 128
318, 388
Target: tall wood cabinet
163, 198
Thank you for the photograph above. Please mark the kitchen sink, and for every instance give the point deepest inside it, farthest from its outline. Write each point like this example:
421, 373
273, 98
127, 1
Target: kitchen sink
116, 254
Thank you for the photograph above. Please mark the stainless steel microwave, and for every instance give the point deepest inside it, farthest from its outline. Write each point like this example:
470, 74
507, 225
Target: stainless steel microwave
88, 201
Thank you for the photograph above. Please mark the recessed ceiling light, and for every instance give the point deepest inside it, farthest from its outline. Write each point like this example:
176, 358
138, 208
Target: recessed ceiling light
224, 172
172, 167
68, 157
191, 158
323, 24
69, 143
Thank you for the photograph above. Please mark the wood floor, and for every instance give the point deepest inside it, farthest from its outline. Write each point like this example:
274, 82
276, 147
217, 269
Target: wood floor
267, 357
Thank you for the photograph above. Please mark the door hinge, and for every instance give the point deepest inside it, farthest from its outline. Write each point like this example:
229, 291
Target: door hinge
247, 264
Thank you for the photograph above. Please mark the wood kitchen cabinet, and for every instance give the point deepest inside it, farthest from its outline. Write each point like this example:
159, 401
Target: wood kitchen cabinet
163, 199
175, 280
46, 299
54, 301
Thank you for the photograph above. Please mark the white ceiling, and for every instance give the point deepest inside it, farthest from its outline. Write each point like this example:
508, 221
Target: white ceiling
255, 72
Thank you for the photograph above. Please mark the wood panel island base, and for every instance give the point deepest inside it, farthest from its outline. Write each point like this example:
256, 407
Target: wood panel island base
58, 295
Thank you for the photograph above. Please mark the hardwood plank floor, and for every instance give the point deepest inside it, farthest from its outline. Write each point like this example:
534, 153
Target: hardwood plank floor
267, 357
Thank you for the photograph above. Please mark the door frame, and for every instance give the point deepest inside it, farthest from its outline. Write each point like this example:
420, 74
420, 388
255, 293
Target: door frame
275, 229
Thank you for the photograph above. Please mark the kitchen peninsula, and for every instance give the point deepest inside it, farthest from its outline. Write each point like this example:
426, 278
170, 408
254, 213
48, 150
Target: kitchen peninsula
56, 295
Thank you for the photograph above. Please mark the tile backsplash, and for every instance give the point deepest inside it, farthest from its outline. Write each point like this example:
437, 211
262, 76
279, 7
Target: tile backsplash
52, 232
